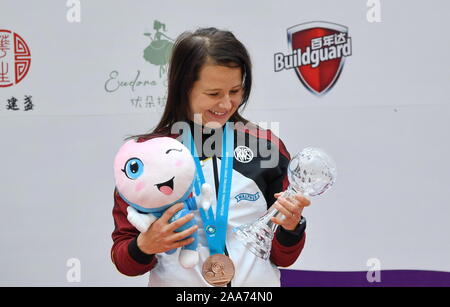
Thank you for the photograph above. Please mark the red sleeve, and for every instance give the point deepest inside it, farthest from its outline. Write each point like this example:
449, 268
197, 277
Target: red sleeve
125, 254
285, 256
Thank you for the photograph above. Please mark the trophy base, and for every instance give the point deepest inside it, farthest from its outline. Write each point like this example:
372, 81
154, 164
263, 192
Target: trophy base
257, 237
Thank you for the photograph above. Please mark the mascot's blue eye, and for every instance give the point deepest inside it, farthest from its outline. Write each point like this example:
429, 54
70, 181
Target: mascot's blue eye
134, 168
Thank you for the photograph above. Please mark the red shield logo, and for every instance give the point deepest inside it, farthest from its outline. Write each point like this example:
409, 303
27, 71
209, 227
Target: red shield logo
320, 49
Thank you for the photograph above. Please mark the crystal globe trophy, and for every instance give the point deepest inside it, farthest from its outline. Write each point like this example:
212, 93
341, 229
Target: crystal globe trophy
310, 172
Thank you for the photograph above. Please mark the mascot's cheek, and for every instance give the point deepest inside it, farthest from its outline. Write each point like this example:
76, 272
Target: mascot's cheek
140, 186
178, 163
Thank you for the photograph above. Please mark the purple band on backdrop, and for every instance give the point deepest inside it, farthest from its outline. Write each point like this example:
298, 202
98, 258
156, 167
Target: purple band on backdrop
389, 278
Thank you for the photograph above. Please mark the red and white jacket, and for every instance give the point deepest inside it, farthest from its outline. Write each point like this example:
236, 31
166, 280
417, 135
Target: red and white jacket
253, 187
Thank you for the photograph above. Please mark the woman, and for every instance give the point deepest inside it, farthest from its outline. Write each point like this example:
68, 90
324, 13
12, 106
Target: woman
209, 83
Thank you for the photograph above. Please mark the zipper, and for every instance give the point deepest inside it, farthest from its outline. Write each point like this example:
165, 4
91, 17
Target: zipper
216, 183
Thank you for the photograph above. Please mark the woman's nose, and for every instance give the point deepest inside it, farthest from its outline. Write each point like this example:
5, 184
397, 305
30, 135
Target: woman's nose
226, 102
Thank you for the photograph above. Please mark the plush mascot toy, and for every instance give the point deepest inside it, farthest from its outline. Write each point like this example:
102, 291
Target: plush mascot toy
153, 175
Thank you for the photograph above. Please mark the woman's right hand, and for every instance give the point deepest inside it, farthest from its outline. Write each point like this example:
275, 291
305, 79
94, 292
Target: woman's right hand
161, 236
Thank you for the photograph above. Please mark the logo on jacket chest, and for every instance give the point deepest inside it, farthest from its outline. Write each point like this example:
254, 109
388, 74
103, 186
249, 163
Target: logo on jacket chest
247, 196
243, 154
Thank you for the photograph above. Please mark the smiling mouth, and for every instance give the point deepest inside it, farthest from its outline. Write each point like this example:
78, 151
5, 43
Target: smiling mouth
166, 187
218, 114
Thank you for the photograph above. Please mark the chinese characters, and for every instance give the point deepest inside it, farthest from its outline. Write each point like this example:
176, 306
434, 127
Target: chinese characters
12, 103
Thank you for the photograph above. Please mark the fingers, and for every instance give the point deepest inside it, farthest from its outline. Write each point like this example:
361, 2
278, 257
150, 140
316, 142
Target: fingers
277, 221
183, 234
182, 243
161, 236
304, 202
287, 208
291, 209
171, 212
180, 222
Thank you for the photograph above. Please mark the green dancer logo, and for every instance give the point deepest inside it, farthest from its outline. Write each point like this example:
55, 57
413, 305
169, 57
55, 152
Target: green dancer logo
158, 52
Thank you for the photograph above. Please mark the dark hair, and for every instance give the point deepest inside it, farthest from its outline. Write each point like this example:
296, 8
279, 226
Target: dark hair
190, 52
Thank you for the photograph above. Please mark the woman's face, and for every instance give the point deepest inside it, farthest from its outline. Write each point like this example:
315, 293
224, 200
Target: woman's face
216, 95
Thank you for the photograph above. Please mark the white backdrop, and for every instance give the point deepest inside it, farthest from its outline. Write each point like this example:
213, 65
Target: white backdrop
385, 122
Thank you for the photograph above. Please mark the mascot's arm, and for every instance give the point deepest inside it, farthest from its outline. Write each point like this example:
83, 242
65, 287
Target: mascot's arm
141, 221
204, 200
206, 196
125, 254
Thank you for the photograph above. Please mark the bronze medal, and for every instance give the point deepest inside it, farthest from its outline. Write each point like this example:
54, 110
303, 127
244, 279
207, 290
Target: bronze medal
218, 270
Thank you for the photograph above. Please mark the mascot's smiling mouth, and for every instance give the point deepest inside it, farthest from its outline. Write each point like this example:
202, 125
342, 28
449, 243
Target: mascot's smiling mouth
166, 187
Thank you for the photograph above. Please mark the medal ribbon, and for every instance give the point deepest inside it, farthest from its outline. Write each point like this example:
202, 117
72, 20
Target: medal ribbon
215, 227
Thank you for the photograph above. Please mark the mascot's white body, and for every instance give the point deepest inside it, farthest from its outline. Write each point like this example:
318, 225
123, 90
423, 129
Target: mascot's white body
152, 176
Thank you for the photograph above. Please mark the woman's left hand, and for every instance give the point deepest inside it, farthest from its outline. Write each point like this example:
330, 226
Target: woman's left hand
291, 209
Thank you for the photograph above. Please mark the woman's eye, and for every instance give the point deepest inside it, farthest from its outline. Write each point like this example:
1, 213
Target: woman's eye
213, 94
133, 168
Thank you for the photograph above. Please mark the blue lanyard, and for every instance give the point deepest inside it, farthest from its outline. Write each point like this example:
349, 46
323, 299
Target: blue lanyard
215, 227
